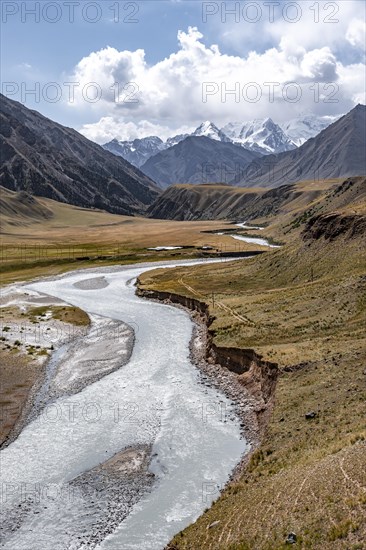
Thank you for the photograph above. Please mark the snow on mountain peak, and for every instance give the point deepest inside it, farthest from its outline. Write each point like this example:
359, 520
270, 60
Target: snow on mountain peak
306, 126
263, 136
209, 129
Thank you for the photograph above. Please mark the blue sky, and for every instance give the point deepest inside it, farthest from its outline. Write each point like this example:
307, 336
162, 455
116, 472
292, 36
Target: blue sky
298, 45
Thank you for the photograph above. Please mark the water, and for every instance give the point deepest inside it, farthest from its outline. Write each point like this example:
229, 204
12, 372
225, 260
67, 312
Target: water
155, 399
253, 240
244, 225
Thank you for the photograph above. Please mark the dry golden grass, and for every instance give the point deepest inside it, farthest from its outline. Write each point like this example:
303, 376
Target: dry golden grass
76, 238
66, 314
303, 307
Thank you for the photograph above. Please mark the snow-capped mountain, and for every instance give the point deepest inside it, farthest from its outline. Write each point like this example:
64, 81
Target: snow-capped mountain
175, 139
210, 130
260, 135
136, 151
306, 126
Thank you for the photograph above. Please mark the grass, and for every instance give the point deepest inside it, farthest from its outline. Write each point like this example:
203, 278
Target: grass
66, 314
304, 308
76, 238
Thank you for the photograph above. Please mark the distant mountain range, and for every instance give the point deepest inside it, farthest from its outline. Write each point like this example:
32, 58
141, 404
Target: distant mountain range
338, 151
46, 159
262, 136
201, 159
49, 160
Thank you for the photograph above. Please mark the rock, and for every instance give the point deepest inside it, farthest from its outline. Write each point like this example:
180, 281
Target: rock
291, 538
213, 524
310, 415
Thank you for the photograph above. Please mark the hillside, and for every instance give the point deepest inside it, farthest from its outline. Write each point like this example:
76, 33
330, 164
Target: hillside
21, 209
205, 202
198, 159
46, 159
302, 307
338, 151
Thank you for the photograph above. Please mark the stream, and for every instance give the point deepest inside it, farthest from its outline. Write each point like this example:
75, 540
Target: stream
253, 240
156, 401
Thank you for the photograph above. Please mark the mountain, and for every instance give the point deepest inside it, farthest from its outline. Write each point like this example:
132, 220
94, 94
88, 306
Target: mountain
21, 208
292, 201
136, 151
202, 202
198, 160
338, 151
306, 126
175, 140
261, 135
49, 160
210, 130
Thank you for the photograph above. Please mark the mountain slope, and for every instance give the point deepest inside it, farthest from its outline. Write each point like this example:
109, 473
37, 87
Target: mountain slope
260, 135
203, 202
50, 160
21, 208
198, 160
338, 151
210, 202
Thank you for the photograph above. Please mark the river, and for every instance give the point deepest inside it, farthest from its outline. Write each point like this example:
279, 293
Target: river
157, 400
253, 240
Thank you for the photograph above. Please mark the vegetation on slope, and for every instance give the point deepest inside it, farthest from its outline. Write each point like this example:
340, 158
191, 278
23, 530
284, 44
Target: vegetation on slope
302, 306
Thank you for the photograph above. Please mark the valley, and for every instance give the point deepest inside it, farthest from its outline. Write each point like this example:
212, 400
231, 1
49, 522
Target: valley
299, 308
40, 234
231, 421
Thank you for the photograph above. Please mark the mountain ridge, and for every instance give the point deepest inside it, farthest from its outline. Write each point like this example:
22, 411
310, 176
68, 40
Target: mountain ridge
47, 159
263, 136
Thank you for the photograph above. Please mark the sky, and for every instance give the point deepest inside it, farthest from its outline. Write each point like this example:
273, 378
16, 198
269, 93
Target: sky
129, 69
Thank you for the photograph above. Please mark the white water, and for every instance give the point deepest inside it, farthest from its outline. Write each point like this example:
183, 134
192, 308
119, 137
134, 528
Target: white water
244, 225
159, 248
253, 240
156, 398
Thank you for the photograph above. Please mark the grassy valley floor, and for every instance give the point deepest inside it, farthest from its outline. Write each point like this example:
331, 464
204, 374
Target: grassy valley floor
45, 237
301, 306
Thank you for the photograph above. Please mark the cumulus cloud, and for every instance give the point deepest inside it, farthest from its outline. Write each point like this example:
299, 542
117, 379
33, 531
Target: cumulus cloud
108, 128
199, 82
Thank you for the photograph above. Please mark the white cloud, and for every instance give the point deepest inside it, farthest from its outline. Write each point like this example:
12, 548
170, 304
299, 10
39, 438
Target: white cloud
108, 128
167, 96
356, 33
